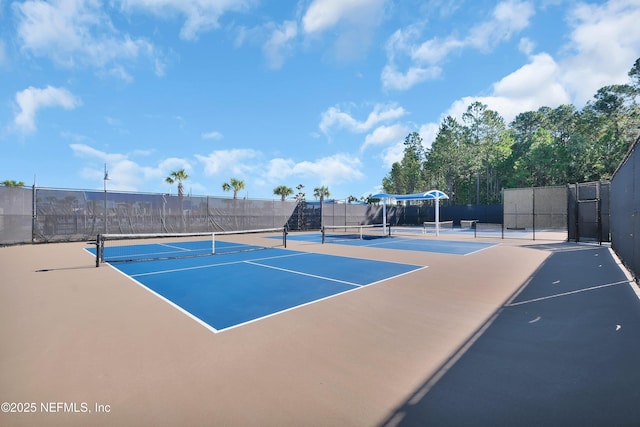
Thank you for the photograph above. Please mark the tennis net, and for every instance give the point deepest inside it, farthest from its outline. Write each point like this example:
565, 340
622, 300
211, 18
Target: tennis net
157, 246
351, 232
432, 226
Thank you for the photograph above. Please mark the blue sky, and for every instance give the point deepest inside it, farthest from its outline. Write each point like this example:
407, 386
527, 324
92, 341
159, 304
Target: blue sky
312, 92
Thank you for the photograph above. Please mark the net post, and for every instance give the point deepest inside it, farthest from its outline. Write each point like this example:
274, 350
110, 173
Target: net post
323, 232
98, 250
284, 236
213, 243
361, 237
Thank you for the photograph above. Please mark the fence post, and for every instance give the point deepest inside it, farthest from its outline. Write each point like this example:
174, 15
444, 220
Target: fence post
533, 211
577, 212
34, 212
599, 213
502, 228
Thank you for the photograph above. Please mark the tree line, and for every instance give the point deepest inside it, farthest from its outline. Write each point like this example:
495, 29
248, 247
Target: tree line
472, 160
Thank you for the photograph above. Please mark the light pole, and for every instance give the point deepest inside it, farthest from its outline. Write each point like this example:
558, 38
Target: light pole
106, 178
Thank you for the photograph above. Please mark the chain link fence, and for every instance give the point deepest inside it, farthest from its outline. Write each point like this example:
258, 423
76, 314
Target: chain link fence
535, 212
534, 208
625, 210
341, 213
34, 215
16, 215
589, 211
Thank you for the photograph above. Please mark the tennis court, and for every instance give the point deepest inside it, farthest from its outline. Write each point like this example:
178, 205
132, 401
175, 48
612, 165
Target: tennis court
247, 284
317, 334
375, 236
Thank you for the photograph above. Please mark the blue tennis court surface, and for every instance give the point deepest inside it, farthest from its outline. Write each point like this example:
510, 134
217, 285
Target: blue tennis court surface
452, 247
224, 291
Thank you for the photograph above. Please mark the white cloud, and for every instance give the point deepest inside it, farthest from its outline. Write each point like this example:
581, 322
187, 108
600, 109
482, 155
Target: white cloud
279, 44
165, 167
530, 87
120, 73
526, 46
391, 155
32, 99
234, 162
534, 85
603, 47
3, 54
395, 152
334, 117
428, 132
435, 50
212, 135
383, 135
279, 169
394, 79
347, 26
425, 58
124, 173
509, 17
77, 33
324, 14
331, 170
350, 23
84, 150
200, 15
127, 174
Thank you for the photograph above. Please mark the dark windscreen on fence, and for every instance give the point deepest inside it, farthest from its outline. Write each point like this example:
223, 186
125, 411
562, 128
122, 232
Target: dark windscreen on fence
63, 215
625, 210
535, 212
46, 215
588, 211
16, 214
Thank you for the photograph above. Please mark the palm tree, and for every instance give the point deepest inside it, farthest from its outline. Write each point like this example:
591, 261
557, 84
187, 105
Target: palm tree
236, 184
283, 191
177, 176
12, 183
321, 192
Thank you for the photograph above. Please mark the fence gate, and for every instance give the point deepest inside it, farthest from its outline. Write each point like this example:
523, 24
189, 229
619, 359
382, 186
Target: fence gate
588, 212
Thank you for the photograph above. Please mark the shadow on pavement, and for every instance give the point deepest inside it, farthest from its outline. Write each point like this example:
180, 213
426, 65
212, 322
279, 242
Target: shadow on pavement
563, 352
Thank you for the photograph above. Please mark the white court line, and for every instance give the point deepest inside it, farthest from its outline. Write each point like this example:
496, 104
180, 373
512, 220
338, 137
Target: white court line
483, 249
303, 274
168, 301
592, 288
626, 272
422, 243
152, 254
357, 288
167, 245
173, 270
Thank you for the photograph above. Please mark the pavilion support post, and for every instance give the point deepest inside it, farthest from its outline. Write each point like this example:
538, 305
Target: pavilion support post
437, 216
